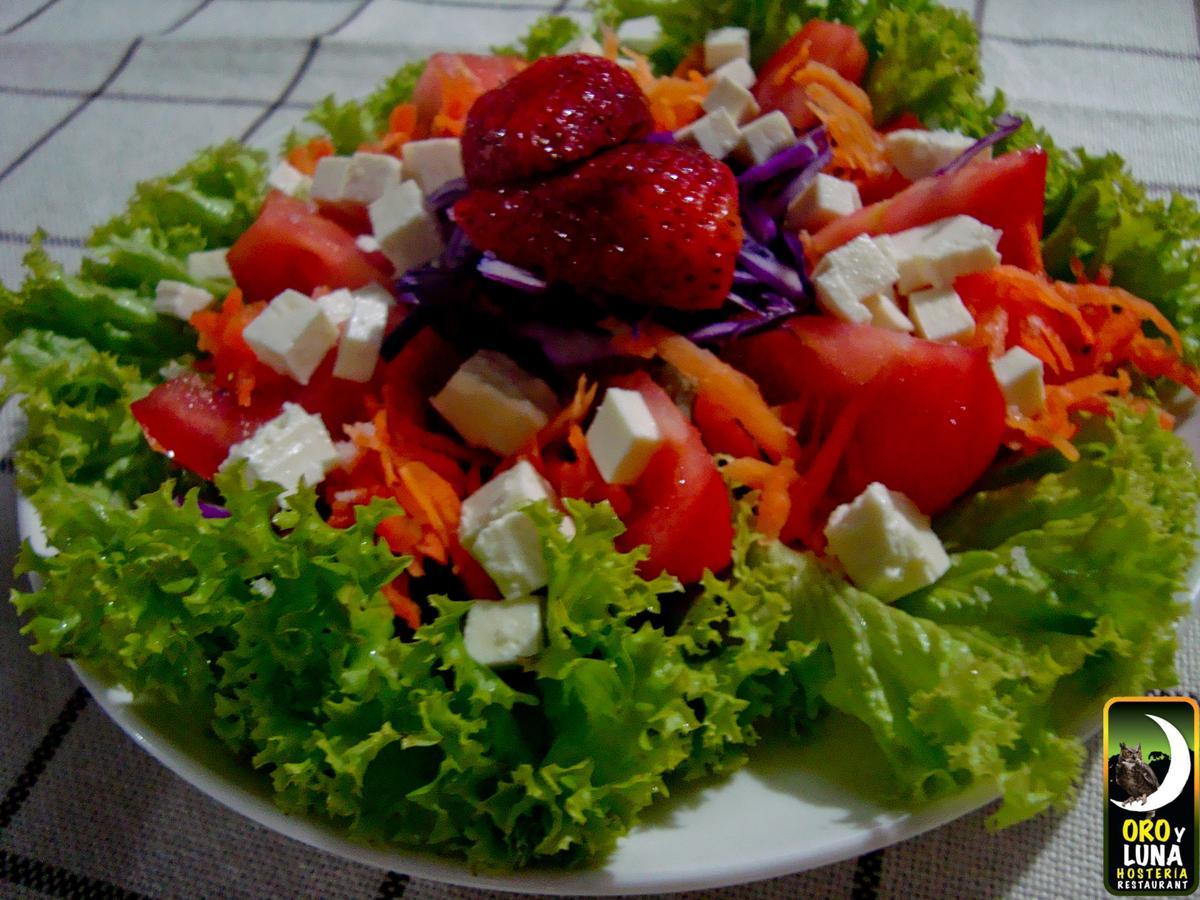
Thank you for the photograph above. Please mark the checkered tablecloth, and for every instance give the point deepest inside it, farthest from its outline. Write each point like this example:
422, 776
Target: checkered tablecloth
97, 94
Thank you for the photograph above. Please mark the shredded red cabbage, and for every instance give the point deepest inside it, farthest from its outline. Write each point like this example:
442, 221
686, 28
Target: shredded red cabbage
759, 261
447, 195
774, 310
660, 137
758, 223
797, 156
501, 272
1006, 125
568, 347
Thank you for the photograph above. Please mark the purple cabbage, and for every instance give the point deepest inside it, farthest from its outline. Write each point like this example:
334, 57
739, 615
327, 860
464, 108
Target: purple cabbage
778, 205
776, 308
798, 156
660, 137
501, 272
447, 195
759, 223
568, 347
773, 274
1006, 125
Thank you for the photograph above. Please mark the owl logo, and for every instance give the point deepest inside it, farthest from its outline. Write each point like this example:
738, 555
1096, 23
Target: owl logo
1134, 774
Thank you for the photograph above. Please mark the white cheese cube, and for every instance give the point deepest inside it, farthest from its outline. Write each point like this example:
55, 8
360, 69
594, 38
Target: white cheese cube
940, 315
846, 276
376, 292
623, 436
1021, 377
918, 154
886, 314
885, 544
204, 265
337, 305
358, 351
585, 43
370, 175
511, 490
934, 255
764, 137
330, 179
826, 199
180, 300
292, 335
728, 95
406, 232
717, 134
492, 403
503, 633
433, 162
641, 34
724, 45
287, 179
510, 550
367, 243
292, 447
739, 71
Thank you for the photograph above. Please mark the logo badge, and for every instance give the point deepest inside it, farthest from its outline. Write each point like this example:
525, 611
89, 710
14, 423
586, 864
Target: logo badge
1151, 795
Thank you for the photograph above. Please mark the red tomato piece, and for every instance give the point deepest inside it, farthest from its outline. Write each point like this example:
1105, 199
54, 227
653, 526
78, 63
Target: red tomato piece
1006, 192
833, 45
722, 433
290, 246
680, 506
453, 80
195, 423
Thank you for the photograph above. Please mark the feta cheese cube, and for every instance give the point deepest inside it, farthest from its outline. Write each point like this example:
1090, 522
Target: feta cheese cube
406, 232
492, 403
724, 45
204, 265
826, 199
291, 448
376, 292
1021, 377
503, 633
433, 162
886, 314
846, 276
739, 71
623, 436
585, 43
764, 137
732, 97
885, 544
337, 305
717, 134
180, 300
510, 550
292, 335
358, 351
510, 491
367, 243
940, 315
330, 179
287, 179
641, 34
918, 154
369, 176
934, 255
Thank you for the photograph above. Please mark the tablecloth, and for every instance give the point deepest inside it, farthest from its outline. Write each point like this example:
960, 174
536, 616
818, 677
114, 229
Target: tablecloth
96, 94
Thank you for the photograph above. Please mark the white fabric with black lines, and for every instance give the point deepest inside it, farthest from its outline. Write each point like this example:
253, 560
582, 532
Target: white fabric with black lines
95, 96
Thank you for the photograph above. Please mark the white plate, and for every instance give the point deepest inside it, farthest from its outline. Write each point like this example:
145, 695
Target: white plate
792, 808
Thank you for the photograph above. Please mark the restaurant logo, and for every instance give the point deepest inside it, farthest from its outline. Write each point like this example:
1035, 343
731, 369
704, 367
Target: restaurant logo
1151, 795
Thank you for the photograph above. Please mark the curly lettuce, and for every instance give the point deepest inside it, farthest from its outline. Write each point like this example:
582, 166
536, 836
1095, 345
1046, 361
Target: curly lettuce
351, 123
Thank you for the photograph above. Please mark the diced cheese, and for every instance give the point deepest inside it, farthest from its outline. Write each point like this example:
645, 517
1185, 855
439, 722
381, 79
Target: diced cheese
330, 179
287, 179
848, 275
337, 305
180, 300
292, 335
826, 199
886, 314
724, 45
623, 436
370, 175
585, 44
1021, 377
934, 255
406, 232
503, 633
493, 403
736, 100
641, 34
378, 292
207, 264
885, 544
918, 154
367, 243
717, 134
764, 137
358, 351
433, 162
291, 448
940, 315
510, 550
511, 490
739, 71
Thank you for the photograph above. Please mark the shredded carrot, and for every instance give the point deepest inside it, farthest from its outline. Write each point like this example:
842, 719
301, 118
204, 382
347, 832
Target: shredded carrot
402, 128
306, 156
845, 90
675, 100
773, 482
556, 429
235, 366
459, 91
402, 605
858, 151
1087, 295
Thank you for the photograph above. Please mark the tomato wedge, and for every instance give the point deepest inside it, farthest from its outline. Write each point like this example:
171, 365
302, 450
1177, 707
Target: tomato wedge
828, 43
680, 506
291, 246
451, 82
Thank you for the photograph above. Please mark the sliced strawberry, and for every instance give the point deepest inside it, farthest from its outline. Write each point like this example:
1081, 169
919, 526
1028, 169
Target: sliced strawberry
560, 110
655, 223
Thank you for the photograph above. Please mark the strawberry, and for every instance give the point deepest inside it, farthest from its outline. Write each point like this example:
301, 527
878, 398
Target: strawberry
560, 110
655, 223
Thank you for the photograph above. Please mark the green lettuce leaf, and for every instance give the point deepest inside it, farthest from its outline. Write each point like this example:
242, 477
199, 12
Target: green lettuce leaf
545, 37
352, 123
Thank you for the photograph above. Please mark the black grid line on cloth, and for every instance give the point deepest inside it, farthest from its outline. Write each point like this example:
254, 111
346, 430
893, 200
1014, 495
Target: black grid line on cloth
16, 26
1196, 17
309, 55
1075, 44
50, 240
394, 886
19, 792
1176, 186
186, 17
354, 14
516, 5
868, 873
139, 97
977, 16
56, 881
80, 107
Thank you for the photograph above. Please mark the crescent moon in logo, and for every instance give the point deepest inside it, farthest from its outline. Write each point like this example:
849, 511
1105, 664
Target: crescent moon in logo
1177, 775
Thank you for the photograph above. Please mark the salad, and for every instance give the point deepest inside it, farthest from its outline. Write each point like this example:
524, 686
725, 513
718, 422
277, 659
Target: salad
546, 426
